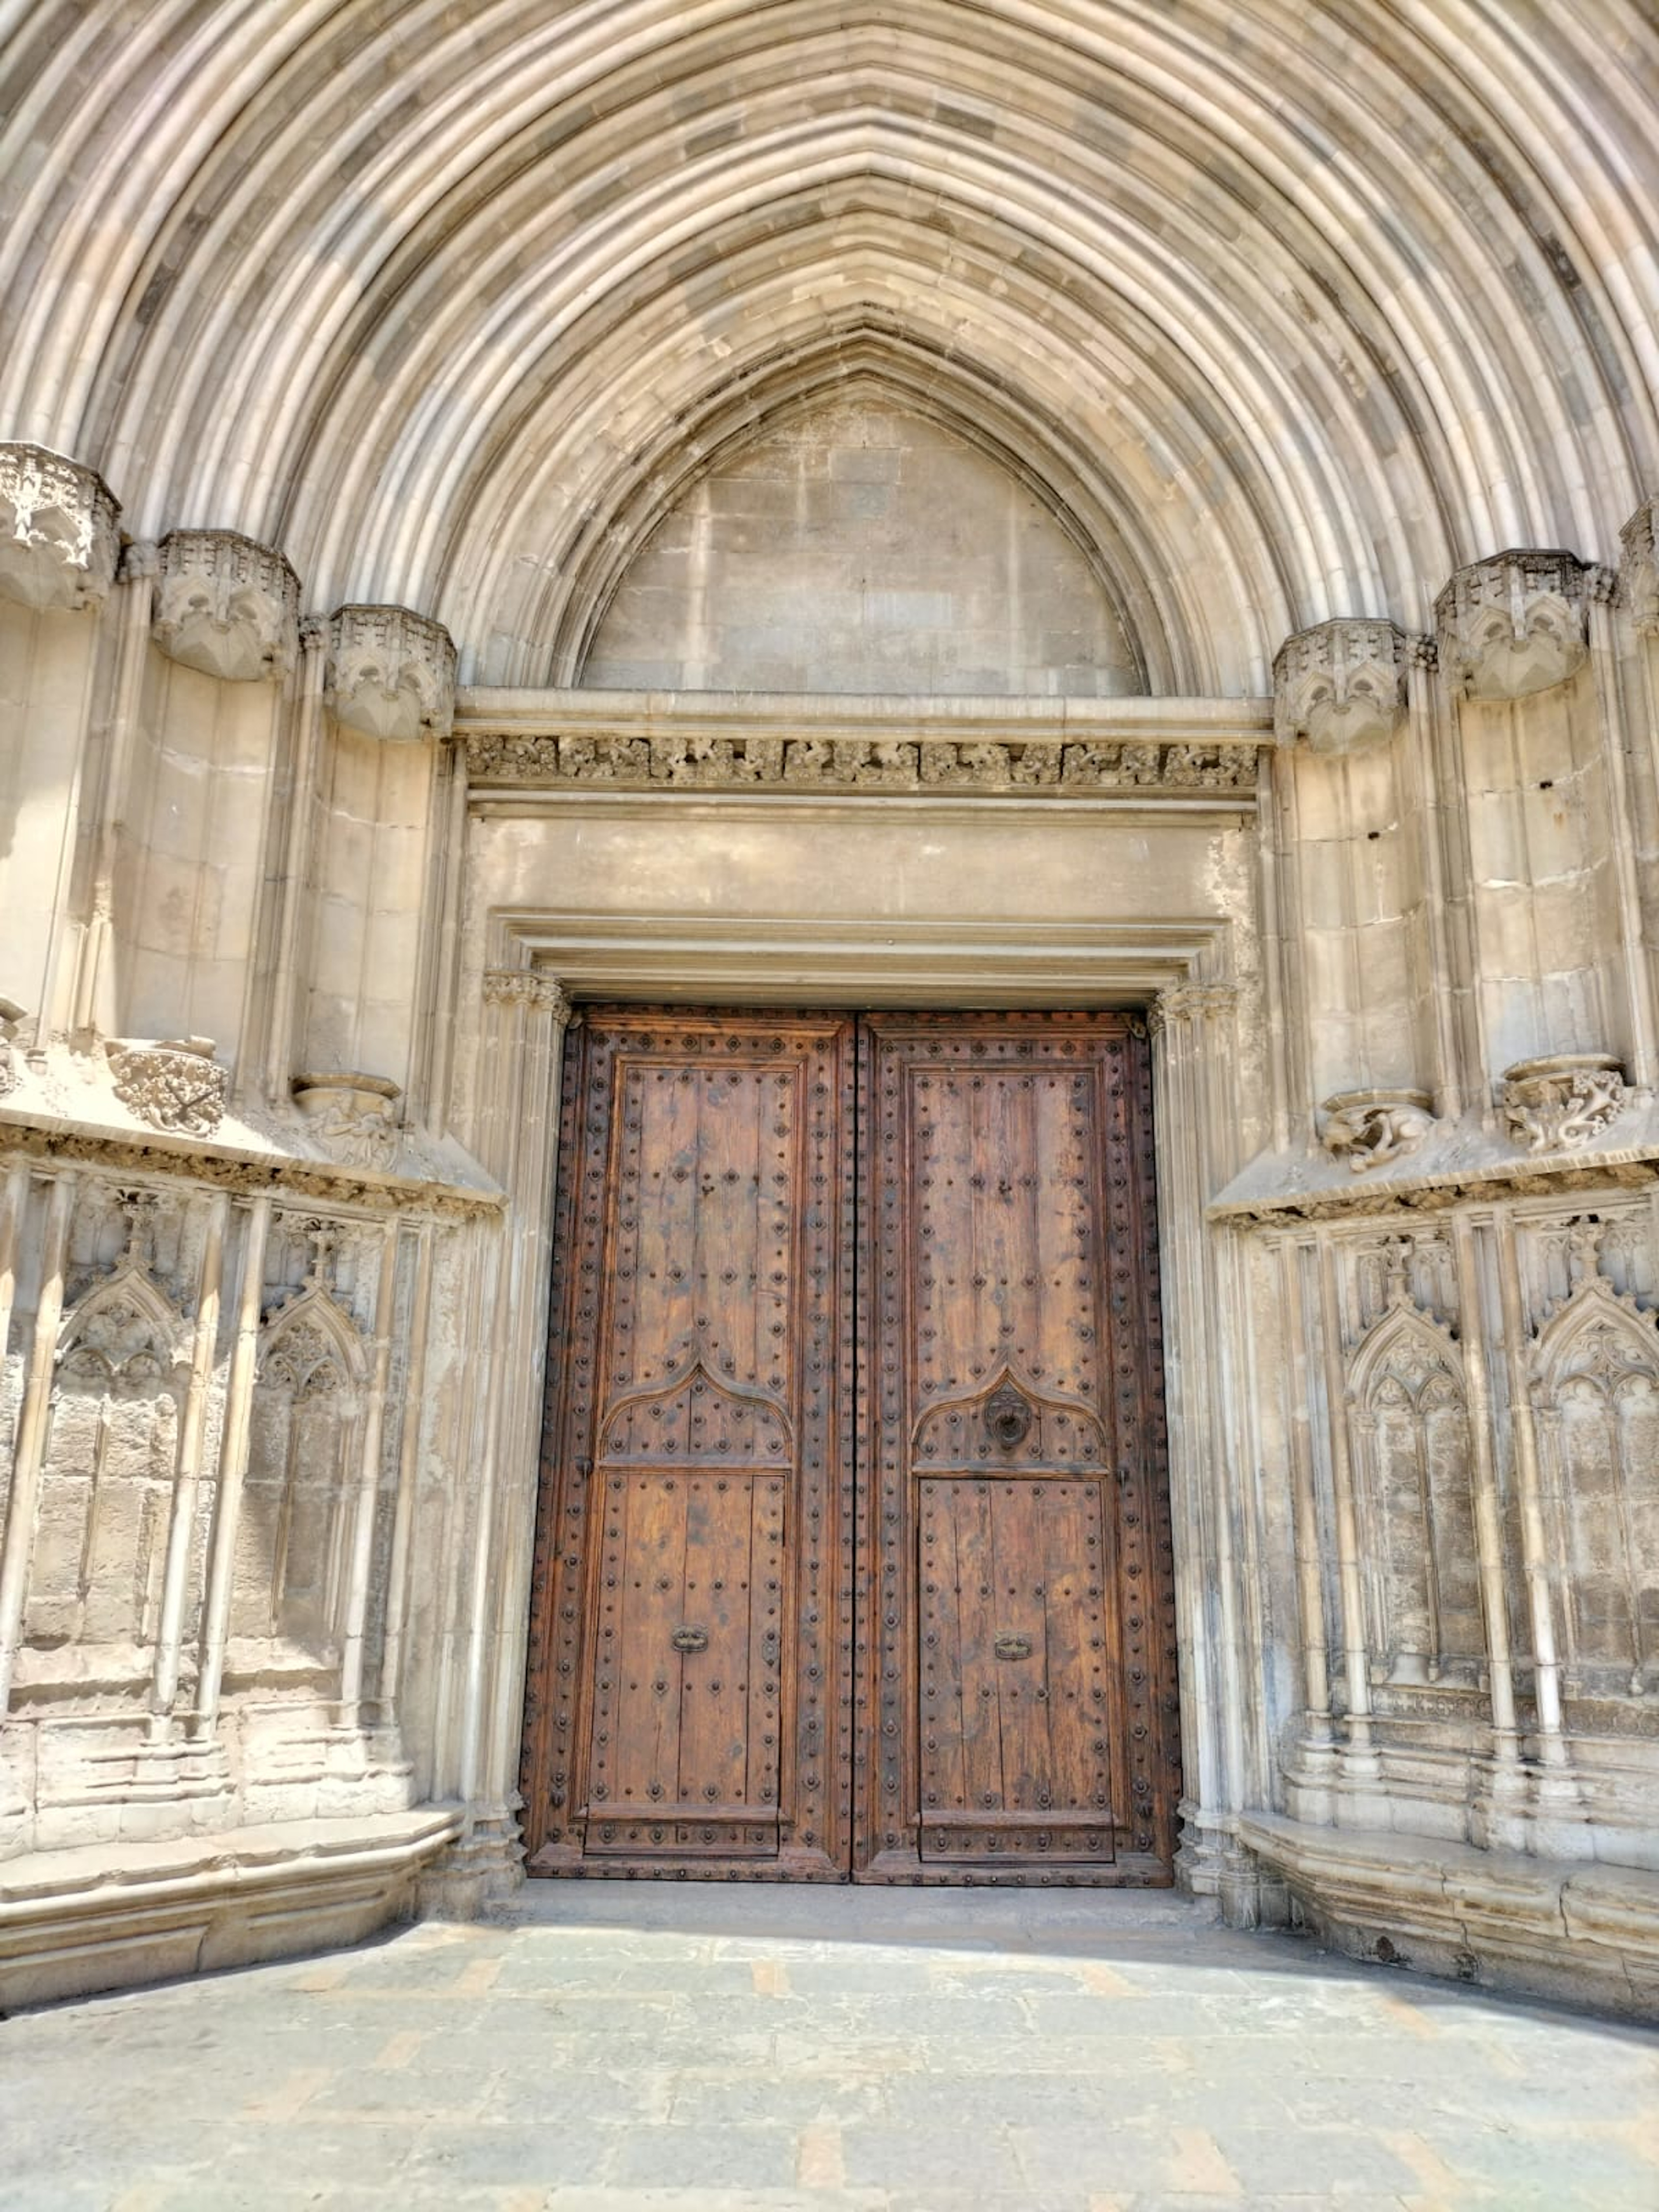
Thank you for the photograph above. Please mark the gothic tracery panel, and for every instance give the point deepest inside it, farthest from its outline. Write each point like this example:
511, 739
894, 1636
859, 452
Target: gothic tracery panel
1410, 1424
295, 1534
1596, 1396
107, 1485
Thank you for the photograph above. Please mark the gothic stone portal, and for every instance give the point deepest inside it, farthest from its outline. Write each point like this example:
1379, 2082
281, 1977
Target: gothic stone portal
854, 1557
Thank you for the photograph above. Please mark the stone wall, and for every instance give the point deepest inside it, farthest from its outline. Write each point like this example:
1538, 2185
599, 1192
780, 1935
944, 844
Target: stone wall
859, 547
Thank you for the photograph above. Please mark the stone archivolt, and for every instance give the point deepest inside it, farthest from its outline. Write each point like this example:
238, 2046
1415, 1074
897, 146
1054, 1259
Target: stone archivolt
226, 605
855, 763
1340, 686
1513, 624
58, 541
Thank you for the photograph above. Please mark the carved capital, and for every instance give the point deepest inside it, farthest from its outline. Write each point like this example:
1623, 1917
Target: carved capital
1638, 574
226, 605
58, 542
526, 987
394, 673
1558, 1104
353, 1115
174, 1082
1513, 624
1367, 1128
1340, 686
1191, 1002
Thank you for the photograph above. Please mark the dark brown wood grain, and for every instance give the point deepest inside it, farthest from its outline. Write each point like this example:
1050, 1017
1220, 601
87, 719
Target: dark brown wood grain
853, 1556
1018, 1671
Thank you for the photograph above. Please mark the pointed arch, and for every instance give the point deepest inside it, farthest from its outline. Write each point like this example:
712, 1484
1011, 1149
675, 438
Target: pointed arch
1408, 1416
1596, 1399
294, 1530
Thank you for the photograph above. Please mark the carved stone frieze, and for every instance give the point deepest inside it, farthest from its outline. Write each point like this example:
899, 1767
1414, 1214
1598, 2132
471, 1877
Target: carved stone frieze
353, 1115
226, 605
1639, 586
743, 763
1563, 1101
1513, 624
1368, 1129
58, 541
174, 1084
393, 672
1341, 685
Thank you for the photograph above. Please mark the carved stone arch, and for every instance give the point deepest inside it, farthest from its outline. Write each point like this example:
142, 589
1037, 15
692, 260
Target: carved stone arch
1408, 1420
1596, 1397
294, 1534
110, 1462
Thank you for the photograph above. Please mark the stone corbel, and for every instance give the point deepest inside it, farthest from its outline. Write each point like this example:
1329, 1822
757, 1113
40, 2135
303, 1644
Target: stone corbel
354, 1117
1341, 684
1370, 1128
226, 605
392, 673
1562, 1101
58, 538
1513, 624
1638, 573
171, 1083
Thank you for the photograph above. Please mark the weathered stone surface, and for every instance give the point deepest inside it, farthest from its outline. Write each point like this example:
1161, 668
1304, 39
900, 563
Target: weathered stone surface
58, 538
226, 605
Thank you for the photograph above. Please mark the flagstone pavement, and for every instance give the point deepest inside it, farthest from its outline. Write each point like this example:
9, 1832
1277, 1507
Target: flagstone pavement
749, 2049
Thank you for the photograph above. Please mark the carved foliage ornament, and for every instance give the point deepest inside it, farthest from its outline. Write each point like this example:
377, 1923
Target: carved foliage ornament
10, 1015
392, 673
855, 763
226, 605
1640, 570
1513, 624
1340, 686
173, 1085
1561, 1103
58, 543
1368, 1129
354, 1116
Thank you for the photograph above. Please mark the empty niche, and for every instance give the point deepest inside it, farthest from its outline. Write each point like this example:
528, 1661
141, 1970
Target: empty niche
1541, 849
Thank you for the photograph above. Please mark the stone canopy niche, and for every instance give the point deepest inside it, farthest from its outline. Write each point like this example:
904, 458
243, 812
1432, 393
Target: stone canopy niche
862, 546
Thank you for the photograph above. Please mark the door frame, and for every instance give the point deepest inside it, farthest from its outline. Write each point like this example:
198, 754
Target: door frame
538, 963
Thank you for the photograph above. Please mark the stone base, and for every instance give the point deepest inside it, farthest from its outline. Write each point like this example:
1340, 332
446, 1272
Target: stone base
1572, 1929
106, 1917
479, 1876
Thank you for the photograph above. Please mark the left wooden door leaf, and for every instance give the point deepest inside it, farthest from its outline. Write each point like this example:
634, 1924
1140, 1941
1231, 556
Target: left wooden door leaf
692, 1627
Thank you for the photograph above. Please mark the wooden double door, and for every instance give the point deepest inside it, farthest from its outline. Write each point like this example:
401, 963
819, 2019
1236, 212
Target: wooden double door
853, 1556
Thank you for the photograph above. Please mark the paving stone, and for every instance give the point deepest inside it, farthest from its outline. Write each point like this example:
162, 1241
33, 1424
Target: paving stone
886, 2060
